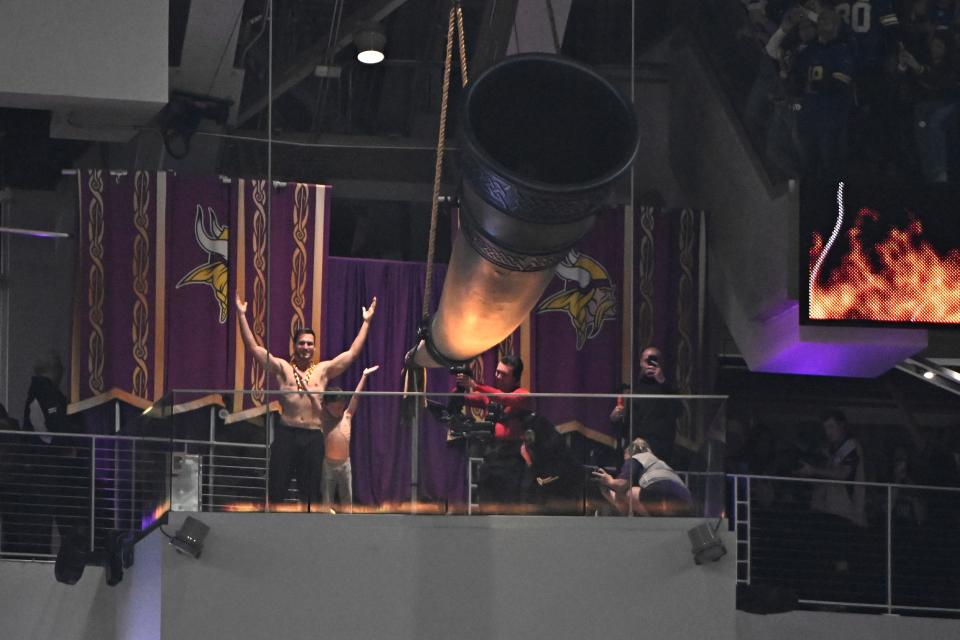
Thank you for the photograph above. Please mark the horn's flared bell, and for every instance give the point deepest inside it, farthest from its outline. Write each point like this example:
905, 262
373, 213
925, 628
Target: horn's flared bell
543, 139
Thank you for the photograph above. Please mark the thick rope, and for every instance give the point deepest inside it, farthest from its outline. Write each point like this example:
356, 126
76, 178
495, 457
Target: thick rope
456, 17
463, 45
438, 168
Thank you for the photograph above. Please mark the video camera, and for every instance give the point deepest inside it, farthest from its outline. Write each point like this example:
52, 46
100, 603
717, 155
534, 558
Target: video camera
589, 469
460, 425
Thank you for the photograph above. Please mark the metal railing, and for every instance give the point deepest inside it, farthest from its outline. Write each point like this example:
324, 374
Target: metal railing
188, 452
52, 483
859, 546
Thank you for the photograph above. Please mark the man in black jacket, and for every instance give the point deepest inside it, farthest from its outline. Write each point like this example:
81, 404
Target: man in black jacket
48, 474
655, 419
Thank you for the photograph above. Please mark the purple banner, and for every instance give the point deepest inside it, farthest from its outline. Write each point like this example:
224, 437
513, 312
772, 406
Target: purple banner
160, 257
667, 284
278, 270
115, 309
577, 334
199, 209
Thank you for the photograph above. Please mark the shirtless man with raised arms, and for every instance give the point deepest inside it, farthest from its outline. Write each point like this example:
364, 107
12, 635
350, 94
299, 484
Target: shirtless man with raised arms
298, 443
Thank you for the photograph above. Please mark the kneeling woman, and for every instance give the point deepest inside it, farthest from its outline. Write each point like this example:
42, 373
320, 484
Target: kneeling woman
646, 485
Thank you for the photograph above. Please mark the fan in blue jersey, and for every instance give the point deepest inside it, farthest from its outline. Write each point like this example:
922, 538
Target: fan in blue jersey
825, 69
874, 28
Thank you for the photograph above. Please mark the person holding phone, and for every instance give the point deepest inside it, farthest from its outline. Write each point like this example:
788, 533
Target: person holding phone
655, 420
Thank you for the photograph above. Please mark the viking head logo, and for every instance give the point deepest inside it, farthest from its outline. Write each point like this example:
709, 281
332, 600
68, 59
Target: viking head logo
212, 238
587, 296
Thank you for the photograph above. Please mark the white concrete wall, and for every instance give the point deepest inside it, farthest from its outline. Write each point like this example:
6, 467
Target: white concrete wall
34, 606
752, 227
137, 613
299, 576
83, 51
306, 576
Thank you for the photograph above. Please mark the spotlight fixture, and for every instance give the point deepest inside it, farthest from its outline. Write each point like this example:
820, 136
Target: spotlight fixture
119, 555
72, 556
189, 538
705, 544
370, 41
933, 372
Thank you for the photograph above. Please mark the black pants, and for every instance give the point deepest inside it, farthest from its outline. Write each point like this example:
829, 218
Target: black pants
296, 453
499, 482
666, 498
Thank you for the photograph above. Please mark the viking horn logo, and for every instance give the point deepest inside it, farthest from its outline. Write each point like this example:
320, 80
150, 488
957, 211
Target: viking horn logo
587, 296
212, 238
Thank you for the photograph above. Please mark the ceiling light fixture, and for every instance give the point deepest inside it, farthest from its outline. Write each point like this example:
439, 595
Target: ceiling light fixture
371, 41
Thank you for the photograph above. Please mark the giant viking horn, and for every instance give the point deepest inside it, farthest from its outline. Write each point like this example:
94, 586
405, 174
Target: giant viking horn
543, 140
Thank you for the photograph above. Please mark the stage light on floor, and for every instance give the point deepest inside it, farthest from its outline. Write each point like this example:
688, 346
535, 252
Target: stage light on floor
113, 564
705, 545
72, 556
189, 538
119, 555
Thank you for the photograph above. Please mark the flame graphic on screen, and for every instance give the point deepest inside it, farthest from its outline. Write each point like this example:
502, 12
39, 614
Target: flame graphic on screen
901, 278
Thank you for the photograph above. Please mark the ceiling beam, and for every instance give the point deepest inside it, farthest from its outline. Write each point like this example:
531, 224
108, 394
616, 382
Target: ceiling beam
496, 28
306, 63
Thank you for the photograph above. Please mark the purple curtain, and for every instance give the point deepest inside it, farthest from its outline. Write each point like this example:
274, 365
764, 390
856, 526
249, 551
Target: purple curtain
380, 444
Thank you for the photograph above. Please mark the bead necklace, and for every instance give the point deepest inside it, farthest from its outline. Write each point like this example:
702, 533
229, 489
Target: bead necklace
303, 378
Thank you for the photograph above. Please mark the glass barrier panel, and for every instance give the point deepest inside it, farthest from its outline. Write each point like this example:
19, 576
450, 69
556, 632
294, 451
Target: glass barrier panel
458, 452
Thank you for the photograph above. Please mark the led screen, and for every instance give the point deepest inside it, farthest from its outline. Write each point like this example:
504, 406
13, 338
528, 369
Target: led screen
880, 254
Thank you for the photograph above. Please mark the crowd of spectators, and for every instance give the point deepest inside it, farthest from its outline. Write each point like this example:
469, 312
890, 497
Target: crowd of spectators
911, 455
869, 88
835, 534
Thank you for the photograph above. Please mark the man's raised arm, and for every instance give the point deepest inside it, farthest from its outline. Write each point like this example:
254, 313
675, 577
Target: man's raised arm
260, 354
355, 400
339, 364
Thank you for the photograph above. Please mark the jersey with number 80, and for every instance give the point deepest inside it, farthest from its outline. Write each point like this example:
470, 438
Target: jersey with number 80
867, 20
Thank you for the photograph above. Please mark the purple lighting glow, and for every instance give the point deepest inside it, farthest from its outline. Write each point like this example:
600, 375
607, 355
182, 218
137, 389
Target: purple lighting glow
34, 233
787, 347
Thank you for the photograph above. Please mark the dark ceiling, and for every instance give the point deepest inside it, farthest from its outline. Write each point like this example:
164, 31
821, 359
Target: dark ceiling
385, 115
372, 130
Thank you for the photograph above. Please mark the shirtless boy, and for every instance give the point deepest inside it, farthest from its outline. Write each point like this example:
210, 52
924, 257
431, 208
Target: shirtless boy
338, 422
